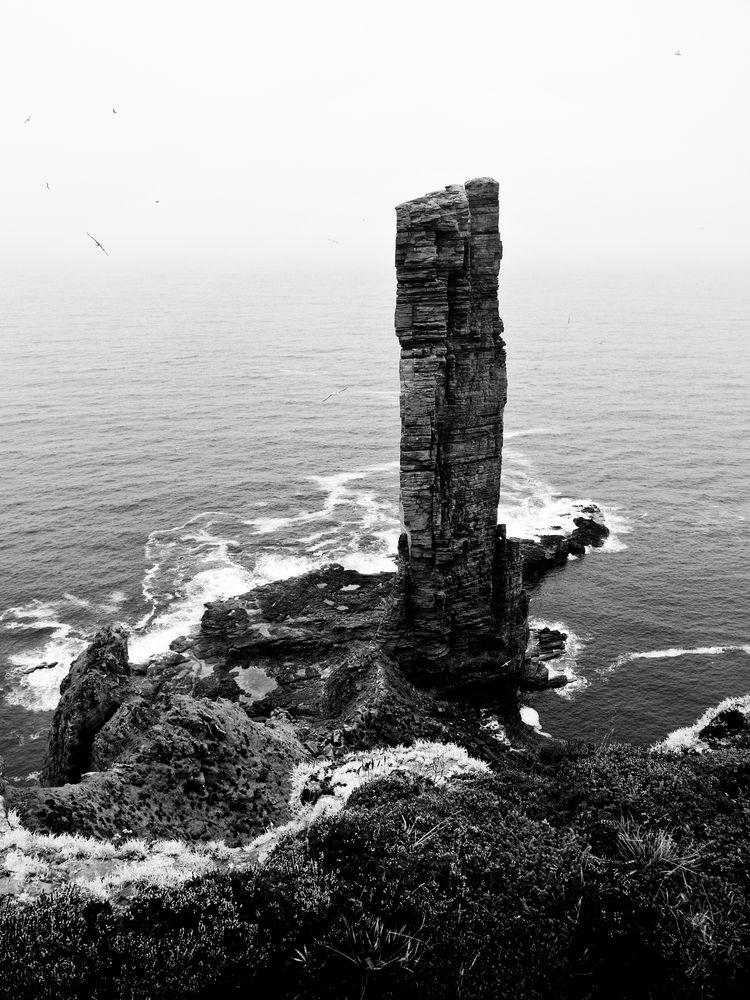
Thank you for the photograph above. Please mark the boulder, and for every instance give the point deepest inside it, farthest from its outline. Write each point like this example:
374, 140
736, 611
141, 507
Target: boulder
727, 723
91, 693
590, 528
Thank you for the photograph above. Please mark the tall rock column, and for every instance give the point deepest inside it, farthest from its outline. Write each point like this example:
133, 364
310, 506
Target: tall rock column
453, 391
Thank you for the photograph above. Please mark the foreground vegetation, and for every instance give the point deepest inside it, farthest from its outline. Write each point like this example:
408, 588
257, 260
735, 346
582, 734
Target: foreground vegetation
589, 872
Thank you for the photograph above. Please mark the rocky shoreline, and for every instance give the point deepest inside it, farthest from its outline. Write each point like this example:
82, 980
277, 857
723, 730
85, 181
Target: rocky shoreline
200, 742
208, 823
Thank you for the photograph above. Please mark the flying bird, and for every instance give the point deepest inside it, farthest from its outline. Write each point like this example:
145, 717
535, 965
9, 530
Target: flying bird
678, 53
97, 242
331, 240
48, 187
113, 111
27, 120
336, 393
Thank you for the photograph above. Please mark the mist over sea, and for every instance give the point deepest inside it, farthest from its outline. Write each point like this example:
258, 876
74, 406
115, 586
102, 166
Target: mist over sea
165, 443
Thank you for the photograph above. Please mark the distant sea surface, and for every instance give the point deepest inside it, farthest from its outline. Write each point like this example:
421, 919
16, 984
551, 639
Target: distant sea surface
165, 442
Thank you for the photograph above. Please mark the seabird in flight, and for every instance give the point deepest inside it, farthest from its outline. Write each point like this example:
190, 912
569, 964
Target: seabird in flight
336, 393
96, 241
331, 240
678, 53
27, 120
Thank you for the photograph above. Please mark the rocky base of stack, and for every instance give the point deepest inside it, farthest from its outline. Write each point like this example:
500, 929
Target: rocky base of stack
199, 742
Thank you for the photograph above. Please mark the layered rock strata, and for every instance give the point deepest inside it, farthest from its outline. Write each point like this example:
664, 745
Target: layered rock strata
461, 598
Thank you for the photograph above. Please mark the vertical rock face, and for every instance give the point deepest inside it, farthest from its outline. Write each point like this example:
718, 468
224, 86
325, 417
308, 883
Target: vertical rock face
90, 695
457, 585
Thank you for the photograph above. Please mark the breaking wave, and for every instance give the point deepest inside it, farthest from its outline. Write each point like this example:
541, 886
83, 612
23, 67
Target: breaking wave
219, 554
672, 653
531, 507
687, 738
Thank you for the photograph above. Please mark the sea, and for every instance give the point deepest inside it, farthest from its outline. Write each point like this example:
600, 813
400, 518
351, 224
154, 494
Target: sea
172, 438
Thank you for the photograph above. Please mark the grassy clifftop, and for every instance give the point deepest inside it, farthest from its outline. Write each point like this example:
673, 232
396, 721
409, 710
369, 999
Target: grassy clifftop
581, 872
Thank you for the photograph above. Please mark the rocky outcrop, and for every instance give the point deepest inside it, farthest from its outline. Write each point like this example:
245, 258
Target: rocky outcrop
204, 738
544, 644
544, 553
590, 528
199, 743
731, 724
91, 693
456, 571
178, 767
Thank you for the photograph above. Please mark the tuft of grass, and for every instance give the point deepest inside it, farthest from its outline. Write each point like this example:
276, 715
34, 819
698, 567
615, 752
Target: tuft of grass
657, 847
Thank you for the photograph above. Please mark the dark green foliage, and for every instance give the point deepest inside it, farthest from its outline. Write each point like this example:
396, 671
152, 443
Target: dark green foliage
180, 944
591, 872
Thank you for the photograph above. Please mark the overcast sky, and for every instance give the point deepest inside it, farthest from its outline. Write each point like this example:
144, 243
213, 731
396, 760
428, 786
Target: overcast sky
267, 130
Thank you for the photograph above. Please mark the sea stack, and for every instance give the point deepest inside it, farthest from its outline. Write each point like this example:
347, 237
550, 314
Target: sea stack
460, 587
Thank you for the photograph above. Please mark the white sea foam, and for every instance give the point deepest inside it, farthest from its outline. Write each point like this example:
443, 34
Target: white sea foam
113, 603
618, 524
39, 690
529, 432
531, 507
567, 663
540, 511
35, 614
493, 725
315, 536
185, 613
672, 653
687, 738
338, 493
530, 717
368, 562
78, 602
272, 567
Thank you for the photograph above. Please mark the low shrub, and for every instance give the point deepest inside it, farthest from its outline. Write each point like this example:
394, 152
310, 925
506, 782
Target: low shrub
603, 872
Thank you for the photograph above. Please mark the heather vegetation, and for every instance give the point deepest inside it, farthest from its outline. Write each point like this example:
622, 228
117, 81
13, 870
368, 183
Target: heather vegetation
585, 872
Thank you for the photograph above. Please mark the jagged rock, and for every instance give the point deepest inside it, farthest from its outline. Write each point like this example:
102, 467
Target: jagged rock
730, 722
534, 676
453, 391
551, 639
91, 693
591, 529
181, 767
551, 550
539, 557
544, 644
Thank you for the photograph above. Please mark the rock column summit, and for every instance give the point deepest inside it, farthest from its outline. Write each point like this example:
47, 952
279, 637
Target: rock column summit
460, 577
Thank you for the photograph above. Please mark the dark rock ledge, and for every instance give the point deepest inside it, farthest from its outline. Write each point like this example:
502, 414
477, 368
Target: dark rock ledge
551, 550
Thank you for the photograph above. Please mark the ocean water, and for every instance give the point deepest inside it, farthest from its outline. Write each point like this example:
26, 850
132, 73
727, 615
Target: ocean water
165, 441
